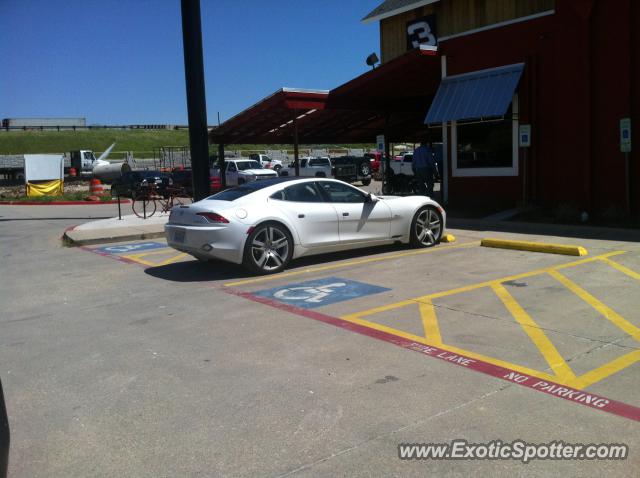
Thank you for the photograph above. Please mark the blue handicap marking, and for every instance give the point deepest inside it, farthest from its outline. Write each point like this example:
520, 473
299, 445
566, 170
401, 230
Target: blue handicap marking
141, 246
316, 293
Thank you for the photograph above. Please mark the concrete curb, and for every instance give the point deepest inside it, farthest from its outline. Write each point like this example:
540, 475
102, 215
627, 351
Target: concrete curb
75, 237
61, 203
534, 247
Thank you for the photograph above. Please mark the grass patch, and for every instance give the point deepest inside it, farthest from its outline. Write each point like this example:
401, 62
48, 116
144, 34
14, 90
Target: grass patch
141, 142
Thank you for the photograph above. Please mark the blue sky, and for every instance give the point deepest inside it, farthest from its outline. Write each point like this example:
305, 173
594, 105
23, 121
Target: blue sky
121, 61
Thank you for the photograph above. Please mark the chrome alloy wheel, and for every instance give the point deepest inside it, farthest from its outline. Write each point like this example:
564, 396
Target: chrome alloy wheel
428, 227
270, 248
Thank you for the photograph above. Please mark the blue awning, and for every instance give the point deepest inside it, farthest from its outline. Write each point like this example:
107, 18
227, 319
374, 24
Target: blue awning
480, 94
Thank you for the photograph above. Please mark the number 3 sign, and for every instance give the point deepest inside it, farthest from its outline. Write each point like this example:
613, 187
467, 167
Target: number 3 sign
422, 32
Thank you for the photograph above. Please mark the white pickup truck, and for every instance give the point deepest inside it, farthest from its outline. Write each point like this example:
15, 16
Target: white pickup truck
267, 162
346, 168
310, 167
240, 171
402, 166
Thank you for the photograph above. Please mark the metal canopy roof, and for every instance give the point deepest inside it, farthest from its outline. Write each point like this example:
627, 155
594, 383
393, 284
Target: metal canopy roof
481, 94
354, 112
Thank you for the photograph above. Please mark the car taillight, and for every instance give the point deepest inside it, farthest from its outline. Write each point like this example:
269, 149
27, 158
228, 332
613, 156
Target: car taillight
213, 217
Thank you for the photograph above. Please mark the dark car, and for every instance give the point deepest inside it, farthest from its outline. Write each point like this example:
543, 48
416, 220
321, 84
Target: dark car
131, 182
183, 178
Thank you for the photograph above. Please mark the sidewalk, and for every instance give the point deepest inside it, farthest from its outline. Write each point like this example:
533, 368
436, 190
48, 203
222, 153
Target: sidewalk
128, 228
131, 228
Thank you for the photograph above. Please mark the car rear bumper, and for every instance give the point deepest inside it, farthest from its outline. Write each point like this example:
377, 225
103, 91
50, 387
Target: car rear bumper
215, 242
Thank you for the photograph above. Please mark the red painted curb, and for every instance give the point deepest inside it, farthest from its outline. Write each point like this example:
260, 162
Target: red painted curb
577, 396
61, 203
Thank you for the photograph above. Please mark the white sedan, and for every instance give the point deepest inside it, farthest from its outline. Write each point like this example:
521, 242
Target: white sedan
265, 224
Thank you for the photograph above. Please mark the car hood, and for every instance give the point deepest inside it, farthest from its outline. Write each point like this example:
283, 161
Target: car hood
258, 172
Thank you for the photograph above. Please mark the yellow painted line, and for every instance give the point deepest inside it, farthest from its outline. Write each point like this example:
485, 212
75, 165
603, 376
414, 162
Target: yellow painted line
448, 238
535, 333
430, 323
171, 260
602, 308
606, 370
347, 264
138, 257
623, 269
535, 247
382, 308
455, 350
427, 298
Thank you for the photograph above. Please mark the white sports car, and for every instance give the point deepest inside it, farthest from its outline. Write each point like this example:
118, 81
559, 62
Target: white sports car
265, 224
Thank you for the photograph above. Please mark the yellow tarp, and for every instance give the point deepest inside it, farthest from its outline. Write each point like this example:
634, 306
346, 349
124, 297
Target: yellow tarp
46, 188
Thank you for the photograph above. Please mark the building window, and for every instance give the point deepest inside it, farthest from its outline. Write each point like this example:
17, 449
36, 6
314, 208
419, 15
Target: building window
486, 148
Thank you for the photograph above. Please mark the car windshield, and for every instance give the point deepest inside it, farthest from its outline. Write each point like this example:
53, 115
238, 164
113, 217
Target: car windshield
244, 165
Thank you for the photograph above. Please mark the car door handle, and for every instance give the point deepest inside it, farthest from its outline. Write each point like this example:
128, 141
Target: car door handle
301, 216
345, 214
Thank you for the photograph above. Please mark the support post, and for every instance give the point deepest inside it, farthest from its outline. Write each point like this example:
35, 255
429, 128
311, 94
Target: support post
296, 155
222, 165
387, 157
444, 179
196, 102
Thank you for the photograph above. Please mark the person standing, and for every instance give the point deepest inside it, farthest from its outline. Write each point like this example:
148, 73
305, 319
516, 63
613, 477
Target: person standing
424, 167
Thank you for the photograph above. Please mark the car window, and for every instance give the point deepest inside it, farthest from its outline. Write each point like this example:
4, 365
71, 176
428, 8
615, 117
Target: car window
231, 167
303, 192
278, 195
318, 162
337, 192
244, 165
408, 158
303, 163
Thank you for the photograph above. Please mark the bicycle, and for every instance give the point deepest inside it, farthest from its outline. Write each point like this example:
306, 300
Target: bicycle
145, 203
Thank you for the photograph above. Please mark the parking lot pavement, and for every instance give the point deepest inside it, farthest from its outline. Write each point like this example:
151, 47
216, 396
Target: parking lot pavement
132, 359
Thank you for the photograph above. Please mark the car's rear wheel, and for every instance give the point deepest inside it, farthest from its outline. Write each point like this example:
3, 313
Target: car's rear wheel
365, 169
426, 227
268, 249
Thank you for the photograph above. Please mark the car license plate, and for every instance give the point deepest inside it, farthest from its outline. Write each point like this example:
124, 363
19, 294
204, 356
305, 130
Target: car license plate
179, 235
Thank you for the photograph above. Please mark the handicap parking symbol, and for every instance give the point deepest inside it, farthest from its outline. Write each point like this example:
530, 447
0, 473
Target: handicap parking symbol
123, 248
317, 293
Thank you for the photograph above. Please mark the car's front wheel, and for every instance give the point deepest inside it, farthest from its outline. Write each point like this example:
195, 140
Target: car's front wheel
268, 249
426, 227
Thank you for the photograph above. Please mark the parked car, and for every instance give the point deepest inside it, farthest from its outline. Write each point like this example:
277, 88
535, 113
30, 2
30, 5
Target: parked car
344, 168
319, 167
403, 166
129, 183
375, 159
352, 169
240, 171
265, 224
183, 178
267, 162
